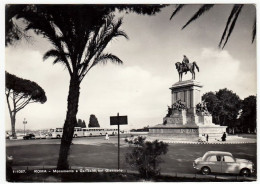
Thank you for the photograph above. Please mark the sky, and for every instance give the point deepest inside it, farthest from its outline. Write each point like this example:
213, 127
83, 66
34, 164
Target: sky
140, 87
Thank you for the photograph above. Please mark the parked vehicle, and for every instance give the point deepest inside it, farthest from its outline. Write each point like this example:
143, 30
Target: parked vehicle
29, 136
96, 131
83, 132
55, 132
223, 162
78, 132
40, 136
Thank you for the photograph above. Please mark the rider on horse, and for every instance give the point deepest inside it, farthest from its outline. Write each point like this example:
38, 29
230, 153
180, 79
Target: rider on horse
185, 66
185, 62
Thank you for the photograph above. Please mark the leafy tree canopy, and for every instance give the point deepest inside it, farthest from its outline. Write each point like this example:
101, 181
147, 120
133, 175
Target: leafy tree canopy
93, 121
81, 123
230, 103
19, 93
249, 106
25, 87
15, 33
224, 105
248, 114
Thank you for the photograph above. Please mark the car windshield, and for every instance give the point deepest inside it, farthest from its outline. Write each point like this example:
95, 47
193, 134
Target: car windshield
205, 156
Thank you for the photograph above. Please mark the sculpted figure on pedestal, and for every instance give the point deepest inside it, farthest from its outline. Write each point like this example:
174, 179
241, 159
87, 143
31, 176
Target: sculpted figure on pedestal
202, 108
185, 66
185, 62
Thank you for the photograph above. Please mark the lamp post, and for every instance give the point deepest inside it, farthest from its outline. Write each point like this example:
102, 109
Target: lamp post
24, 122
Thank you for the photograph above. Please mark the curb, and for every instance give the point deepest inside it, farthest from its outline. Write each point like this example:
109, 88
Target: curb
183, 142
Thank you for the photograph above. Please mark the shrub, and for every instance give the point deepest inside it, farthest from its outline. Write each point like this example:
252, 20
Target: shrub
145, 156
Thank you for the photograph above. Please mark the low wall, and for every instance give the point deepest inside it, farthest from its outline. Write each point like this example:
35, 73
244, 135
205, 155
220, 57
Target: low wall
174, 132
214, 132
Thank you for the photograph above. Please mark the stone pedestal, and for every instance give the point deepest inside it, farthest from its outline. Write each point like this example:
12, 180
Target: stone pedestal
187, 124
174, 131
188, 92
176, 118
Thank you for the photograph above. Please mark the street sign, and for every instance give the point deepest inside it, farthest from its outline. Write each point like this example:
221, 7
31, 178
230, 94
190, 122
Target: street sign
115, 120
118, 120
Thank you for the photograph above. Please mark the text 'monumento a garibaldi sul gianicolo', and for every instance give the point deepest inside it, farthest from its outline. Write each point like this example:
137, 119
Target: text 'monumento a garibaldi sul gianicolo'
187, 117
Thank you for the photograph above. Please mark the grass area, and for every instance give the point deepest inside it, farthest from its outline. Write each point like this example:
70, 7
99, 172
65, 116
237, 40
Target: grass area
178, 159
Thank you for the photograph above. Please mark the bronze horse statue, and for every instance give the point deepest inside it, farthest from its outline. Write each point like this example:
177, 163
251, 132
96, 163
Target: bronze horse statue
190, 67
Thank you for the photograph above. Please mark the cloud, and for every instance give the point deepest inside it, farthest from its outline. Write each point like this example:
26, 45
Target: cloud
106, 90
130, 91
28, 64
219, 69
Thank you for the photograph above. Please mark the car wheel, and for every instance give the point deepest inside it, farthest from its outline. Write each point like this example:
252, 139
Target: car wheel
75, 135
58, 136
245, 172
205, 170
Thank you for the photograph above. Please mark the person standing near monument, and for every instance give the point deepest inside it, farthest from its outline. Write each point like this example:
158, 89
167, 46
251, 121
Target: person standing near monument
224, 136
107, 137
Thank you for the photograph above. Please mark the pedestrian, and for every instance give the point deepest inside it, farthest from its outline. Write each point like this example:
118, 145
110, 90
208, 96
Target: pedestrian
203, 138
207, 138
224, 136
107, 137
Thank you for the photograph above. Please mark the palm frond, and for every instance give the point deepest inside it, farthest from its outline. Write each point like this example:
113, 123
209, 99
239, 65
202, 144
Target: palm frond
232, 13
254, 31
109, 30
103, 58
121, 33
40, 25
59, 57
178, 8
203, 9
58, 60
232, 25
51, 53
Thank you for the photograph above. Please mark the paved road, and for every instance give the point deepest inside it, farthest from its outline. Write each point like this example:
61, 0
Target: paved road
97, 152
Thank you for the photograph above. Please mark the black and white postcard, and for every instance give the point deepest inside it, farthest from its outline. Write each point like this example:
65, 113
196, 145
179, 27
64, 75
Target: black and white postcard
130, 92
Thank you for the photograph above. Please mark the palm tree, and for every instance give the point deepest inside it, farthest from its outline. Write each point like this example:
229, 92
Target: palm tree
79, 35
231, 21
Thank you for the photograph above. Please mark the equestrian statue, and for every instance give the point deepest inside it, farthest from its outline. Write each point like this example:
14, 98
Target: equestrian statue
185, 66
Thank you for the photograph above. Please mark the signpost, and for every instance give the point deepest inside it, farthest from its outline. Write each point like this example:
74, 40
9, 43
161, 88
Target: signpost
118, 120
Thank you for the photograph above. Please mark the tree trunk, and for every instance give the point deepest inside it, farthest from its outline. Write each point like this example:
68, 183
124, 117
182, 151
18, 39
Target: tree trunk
13, 126
70, 122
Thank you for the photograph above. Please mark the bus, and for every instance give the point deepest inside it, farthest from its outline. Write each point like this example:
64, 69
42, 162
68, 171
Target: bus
78, 132
84, 132
57, 132
96, 131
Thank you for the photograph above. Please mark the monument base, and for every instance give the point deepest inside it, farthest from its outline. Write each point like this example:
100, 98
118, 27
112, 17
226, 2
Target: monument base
174, 131
213, 131
187, 133
187, 119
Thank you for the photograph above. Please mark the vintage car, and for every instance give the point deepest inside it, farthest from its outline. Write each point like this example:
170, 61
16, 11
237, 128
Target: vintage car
223, 162
29, 136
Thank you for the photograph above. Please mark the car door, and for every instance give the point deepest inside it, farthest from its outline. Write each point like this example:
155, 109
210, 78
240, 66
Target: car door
229, 165
214, 163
